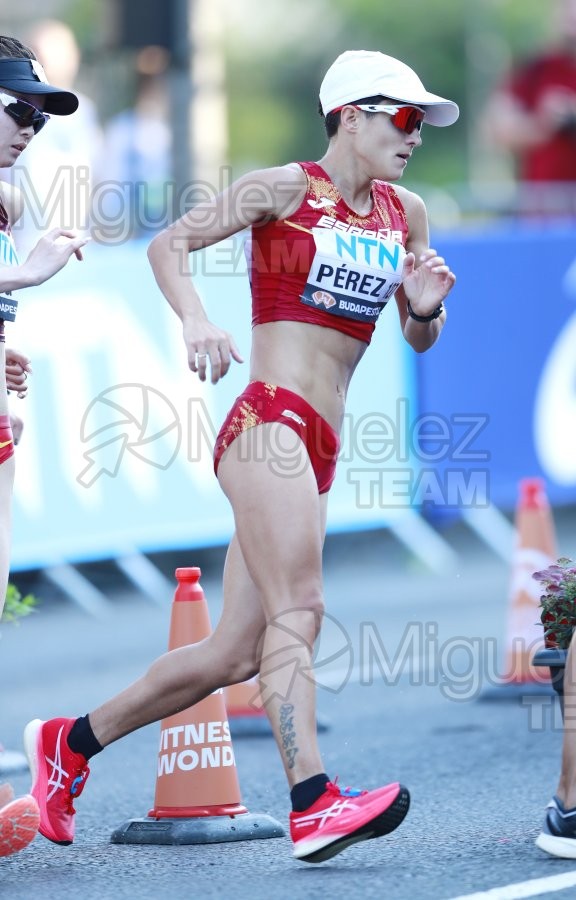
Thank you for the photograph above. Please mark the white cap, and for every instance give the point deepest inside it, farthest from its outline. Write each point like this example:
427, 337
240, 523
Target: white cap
357, 74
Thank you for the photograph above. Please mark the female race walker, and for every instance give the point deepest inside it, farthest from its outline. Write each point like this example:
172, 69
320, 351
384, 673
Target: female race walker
331, 242
26, 103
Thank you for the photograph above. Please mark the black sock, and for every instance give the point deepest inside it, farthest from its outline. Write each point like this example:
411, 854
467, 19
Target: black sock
305, 793
82, 740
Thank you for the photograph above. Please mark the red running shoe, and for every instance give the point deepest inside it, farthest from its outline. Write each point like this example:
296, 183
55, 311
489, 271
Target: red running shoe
19, 820
341, 818
58, 776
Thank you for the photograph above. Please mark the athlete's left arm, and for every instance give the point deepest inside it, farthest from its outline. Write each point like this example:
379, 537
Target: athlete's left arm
17, 365
426, 279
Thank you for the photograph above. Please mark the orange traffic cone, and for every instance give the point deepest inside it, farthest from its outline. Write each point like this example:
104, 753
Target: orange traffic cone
197, 797
246, 712
535, 549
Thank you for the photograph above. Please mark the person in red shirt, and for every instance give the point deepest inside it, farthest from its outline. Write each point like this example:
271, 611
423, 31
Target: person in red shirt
26, 102
532, 114
331, 243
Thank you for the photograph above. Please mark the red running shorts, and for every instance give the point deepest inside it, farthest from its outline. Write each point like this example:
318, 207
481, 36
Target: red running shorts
6, 442
261, 403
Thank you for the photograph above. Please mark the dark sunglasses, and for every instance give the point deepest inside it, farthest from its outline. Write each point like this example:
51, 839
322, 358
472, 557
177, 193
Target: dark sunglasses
23, 112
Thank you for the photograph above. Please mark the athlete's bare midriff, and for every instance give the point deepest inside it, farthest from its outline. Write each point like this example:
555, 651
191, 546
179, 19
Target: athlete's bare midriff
315, 362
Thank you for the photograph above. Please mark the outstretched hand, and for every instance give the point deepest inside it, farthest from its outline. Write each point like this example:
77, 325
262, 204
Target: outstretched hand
52, 252
205, 342
427, 284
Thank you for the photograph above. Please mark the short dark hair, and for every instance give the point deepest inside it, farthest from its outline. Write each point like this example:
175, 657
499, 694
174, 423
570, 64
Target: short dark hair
12, 48
332, 119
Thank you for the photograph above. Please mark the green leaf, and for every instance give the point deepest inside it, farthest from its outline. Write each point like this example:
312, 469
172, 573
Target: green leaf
17, 606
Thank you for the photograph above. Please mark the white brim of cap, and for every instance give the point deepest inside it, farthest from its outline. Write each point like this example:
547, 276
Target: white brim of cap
439, 111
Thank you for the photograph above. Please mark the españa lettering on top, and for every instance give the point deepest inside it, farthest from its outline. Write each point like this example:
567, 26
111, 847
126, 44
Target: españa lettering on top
386, 234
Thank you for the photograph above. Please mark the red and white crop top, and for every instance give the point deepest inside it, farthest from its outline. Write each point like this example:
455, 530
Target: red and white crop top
327, 265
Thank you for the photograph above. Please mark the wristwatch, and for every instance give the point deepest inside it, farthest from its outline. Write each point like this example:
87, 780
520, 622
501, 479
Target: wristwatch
433, 315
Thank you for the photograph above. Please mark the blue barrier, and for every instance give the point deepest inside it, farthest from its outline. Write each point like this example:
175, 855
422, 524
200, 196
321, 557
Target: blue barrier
116, 454
507, 359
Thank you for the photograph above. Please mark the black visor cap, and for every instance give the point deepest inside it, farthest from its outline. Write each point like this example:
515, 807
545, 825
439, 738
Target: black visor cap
26, 76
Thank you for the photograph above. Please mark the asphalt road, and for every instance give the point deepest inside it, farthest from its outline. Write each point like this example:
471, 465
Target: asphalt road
402, 677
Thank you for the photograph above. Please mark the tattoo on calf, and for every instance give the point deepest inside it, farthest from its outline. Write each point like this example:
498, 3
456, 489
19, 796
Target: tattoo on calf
288, 733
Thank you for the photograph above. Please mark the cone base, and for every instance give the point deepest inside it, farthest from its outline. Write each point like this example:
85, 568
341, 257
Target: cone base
200, 830
515, 690
193, 812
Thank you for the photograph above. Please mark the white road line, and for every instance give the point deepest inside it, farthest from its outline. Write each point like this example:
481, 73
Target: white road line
535, 888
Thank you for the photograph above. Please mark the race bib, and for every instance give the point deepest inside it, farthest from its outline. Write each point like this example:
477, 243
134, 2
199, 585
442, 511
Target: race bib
352, 275
8, 257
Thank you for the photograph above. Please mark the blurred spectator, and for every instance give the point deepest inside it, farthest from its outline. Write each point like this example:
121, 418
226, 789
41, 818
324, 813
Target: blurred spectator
135, 167
532, 115
55, 174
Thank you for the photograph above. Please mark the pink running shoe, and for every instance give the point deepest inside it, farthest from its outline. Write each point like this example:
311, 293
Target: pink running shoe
19, 821
58, 776
341, 818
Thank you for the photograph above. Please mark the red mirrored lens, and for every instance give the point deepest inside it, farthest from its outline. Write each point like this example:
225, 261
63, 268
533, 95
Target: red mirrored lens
408, 118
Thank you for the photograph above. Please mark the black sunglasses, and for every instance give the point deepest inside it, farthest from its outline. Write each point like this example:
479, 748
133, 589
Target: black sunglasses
23, 112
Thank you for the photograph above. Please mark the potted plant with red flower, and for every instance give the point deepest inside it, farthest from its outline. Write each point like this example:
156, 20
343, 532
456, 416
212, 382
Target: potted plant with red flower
558, 616
558, 602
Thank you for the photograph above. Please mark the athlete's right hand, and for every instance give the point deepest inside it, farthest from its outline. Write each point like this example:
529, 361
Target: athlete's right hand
17, 369
204, 342
51, 254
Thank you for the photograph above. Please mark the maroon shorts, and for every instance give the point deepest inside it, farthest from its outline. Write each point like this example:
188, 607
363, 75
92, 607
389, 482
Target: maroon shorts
6, 442
261, 403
